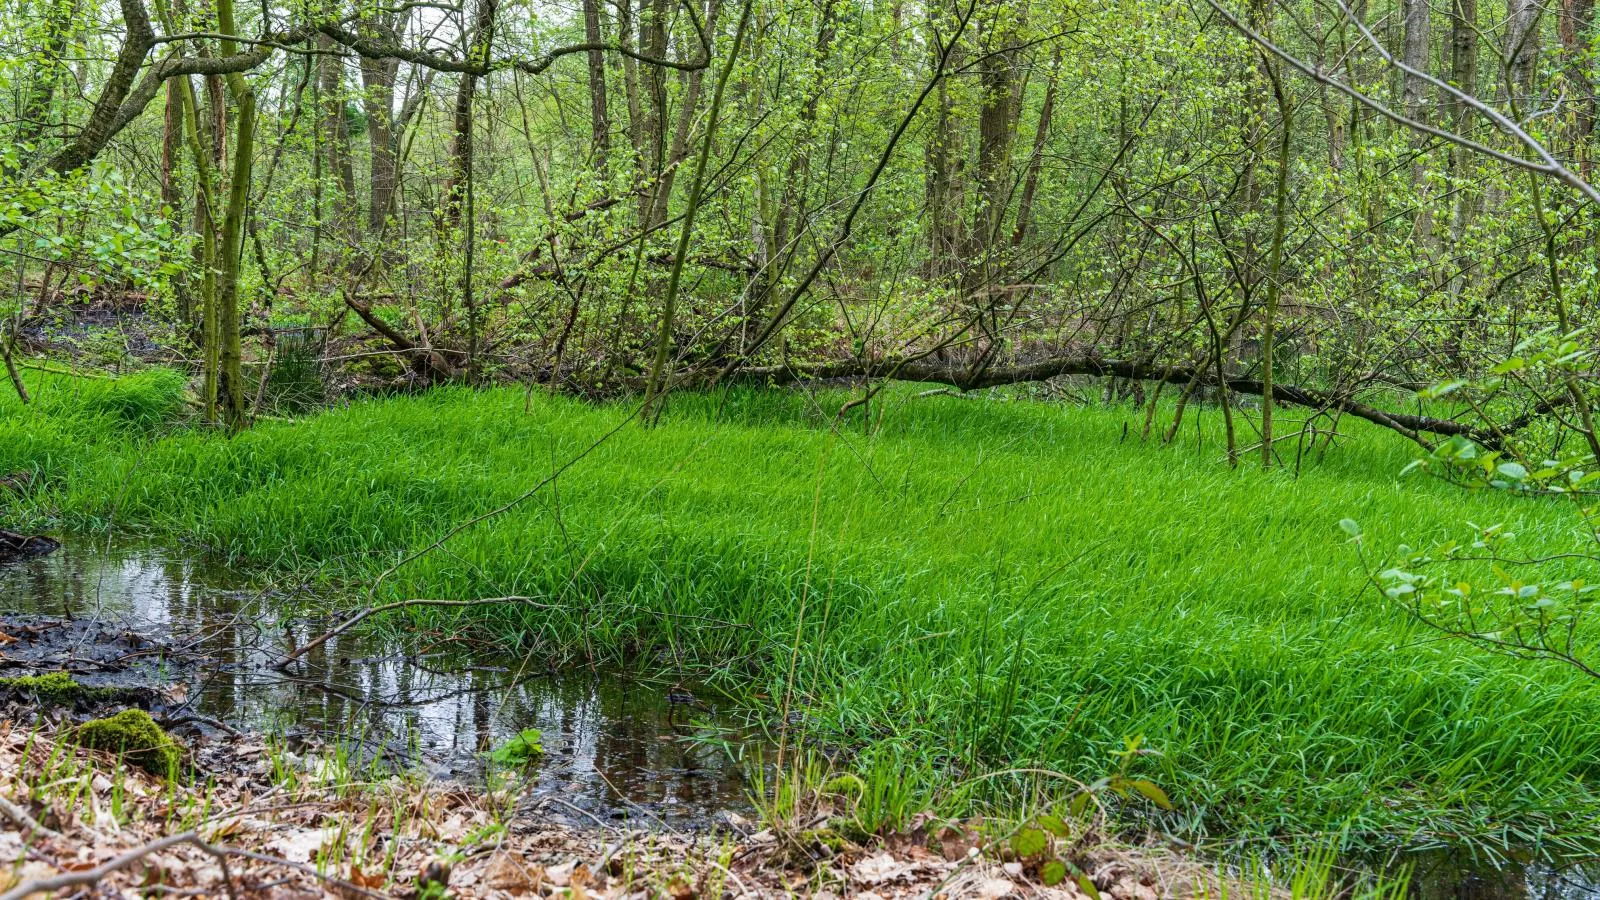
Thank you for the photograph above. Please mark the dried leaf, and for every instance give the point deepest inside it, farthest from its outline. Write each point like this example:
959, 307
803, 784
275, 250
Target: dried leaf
508, 873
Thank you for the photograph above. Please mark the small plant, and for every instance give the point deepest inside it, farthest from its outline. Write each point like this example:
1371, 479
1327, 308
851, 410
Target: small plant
520, 750
1044, 841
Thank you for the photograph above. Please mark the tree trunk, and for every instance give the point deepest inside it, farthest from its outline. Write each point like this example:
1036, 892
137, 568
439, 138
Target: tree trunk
378, 78
1415, 54
996, 128
335, 134
1464, 76
599, 122
688, 107
630, 77
231, 387
945, 159
172, 129
44, 71
1280, 221
1041, 134
1575, 28
653, 84
1522, 50
461, 122
696, 188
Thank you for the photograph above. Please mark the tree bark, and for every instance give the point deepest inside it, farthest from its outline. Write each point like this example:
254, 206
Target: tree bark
378, 77
1522, 49
1415, 54
653, 389
231, 387
688, 107
599, 121
1575, 27
945, 157
335, 134
461, 122
1041, 134
1464, 76
653, 88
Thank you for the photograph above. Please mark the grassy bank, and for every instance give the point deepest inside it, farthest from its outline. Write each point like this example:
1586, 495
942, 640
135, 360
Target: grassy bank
977, 585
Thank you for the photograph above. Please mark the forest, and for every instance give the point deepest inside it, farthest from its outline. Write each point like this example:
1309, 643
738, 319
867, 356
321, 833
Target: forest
816, 448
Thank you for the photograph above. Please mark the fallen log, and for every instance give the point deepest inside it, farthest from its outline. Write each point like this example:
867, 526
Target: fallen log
13, 544
966, 378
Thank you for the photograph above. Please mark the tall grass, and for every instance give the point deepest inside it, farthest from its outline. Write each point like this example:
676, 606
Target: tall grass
973, 586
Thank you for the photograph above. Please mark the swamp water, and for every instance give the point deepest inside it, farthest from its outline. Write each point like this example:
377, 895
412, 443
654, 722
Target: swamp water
615, 749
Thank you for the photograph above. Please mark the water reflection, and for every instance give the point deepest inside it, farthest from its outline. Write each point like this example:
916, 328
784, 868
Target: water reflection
615, 748
1458, 875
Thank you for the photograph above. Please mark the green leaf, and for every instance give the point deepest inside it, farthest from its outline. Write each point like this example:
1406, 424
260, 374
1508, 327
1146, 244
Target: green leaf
1053, 824
1053, 873
1447, 387
1029, 842
1351, 527
519, 750
1512, 470
1078, 805
1151, 792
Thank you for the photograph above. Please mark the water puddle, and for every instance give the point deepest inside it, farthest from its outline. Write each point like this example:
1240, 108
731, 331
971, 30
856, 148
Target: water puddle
1456, 875
616, 749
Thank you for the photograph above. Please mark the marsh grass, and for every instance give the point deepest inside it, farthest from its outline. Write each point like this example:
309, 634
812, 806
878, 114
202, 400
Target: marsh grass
970, 586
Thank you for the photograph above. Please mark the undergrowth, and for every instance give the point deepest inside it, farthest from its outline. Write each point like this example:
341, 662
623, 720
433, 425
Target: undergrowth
973, 586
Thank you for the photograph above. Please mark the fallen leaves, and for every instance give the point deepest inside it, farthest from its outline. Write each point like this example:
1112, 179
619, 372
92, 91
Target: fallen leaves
506, 872
288, 835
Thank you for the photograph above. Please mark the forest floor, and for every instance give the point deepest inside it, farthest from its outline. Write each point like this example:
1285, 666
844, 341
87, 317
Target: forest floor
971, 602
290, 825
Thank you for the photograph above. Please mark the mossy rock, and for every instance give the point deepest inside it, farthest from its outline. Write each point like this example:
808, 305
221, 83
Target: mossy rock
136, 737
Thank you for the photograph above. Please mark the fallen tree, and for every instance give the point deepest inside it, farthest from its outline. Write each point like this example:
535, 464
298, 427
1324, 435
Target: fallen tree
968, 378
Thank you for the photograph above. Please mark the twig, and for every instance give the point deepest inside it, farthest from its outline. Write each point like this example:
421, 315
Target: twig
344, 886
20, 816
92, 876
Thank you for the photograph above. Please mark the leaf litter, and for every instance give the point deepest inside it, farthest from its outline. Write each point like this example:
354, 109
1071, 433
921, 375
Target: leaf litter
293, 825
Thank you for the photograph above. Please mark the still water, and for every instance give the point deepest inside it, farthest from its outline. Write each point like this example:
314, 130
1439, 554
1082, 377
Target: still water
615, 748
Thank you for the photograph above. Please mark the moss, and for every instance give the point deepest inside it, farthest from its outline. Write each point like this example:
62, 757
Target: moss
845, 786
136, 737
60, 689
824, 838
850, 829
51, 687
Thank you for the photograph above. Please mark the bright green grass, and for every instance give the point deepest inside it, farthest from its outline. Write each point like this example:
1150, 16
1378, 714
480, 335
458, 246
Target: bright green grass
978, 585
